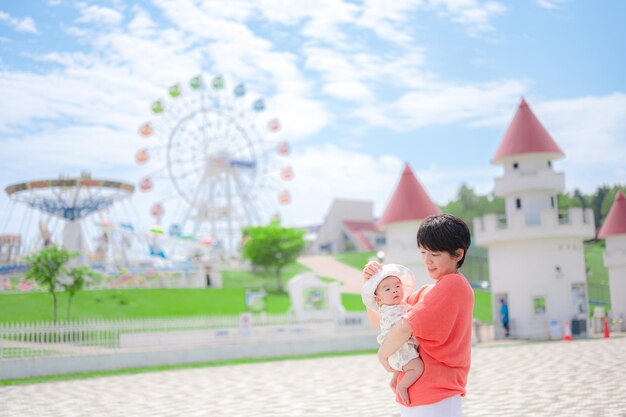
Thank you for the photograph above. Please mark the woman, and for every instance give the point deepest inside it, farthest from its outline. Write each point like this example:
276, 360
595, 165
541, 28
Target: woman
440, 319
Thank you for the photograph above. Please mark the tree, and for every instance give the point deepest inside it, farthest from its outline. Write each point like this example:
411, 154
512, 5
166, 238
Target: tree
597, 201
580, 197
75, 281
46, 266
468, 205
272, 247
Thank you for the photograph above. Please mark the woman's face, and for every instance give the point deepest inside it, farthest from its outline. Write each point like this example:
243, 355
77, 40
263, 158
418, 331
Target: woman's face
439, 264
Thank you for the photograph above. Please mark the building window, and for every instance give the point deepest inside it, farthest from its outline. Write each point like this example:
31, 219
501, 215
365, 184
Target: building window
518, 203
552, 201
539, 306
515, 165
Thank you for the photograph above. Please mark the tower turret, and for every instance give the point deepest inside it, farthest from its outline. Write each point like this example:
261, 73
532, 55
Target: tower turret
614, 232
526, 152
536, 257
408, 206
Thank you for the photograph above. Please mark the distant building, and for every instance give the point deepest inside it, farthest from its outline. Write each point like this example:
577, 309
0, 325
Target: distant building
349, 227
408, 206
536, 255
613, 231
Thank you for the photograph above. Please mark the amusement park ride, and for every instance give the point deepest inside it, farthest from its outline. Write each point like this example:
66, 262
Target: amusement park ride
218, 164
222, 158
71, 200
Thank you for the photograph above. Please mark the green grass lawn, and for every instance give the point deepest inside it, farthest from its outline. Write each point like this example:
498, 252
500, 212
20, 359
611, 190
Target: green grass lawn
159, 303
597, 275
259, 279
145, 303
134, 303
482, 306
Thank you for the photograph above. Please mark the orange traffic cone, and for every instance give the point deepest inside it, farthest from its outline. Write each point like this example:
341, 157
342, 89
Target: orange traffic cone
567, 331
607, 331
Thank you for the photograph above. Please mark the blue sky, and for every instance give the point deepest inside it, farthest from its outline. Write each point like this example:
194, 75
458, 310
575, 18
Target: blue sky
360, 87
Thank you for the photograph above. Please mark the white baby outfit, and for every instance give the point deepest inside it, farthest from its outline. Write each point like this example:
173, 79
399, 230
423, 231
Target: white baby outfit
389, 315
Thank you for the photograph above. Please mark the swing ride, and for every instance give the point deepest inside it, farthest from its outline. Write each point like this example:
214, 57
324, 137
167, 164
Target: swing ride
64, 206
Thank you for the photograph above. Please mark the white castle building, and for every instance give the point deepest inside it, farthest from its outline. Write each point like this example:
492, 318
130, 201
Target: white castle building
614, 232
536, 254
408, 206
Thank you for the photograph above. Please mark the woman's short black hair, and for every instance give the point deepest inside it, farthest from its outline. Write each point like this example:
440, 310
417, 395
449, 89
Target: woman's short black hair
444, 233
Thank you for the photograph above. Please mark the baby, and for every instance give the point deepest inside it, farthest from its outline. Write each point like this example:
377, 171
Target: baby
386, 292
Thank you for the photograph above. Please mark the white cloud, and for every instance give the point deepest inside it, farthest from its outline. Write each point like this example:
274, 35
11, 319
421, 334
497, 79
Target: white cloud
238, 10
68, 150
326, 172
141, 24
98, 96
475, 15
343, 77
590, 130
551, 4
391, 20
388, 19
446, 104
238, 51
192, 19
324, 20
442, 182
356, 76
300, 117
360, 176
98, 14
25, 24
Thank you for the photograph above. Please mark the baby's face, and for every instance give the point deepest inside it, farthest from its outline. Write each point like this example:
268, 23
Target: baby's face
390, 291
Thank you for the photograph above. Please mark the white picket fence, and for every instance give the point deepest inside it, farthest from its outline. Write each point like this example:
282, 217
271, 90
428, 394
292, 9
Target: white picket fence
28, 340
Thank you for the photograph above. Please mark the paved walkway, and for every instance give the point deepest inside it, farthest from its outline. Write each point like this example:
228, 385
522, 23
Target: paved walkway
584, 378
327, 266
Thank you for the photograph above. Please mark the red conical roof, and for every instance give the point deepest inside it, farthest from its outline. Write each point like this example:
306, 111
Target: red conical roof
615, 222
409, 201
526, 134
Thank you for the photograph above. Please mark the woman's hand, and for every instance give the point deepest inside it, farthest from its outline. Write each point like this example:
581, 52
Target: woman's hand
371, 269
384, 361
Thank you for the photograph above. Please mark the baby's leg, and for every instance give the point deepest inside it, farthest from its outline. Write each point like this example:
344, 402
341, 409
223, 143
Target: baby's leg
414, 369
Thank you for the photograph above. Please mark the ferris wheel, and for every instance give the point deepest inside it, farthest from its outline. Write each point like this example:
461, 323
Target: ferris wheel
218, 160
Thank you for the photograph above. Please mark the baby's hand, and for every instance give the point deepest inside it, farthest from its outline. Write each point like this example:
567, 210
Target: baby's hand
394, 382
384, 361
371, 269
